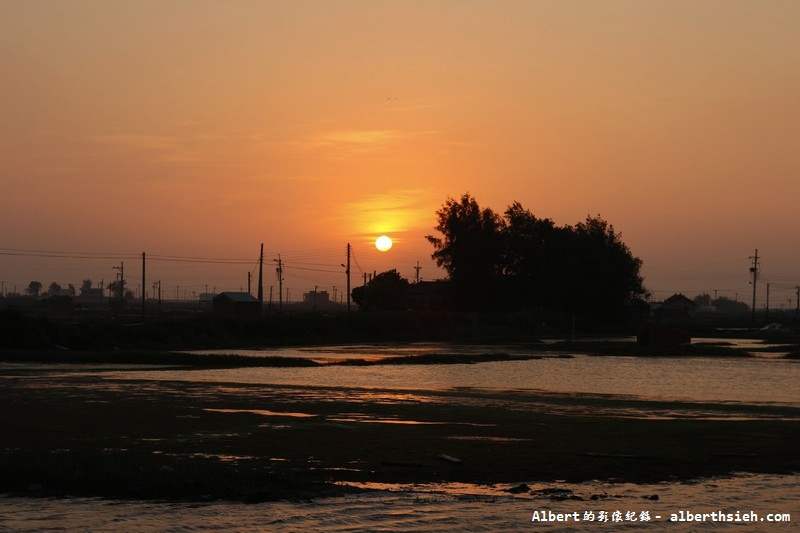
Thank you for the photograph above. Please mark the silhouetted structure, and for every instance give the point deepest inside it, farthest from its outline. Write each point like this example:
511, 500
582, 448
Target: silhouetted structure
58, 302
205, 301
676, 308
669, 320
236, 305
316, 298
428, 295
92, 295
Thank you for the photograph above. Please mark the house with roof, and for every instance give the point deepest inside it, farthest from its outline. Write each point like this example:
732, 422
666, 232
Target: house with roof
676, 308
236, 305
668, 322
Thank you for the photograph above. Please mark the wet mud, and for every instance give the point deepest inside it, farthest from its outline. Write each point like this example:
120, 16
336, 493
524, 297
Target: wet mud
90, 435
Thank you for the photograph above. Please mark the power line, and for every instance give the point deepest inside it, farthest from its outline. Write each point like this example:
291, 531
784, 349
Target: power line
63, 255
203, 261
290, 267
353, 255
60, 254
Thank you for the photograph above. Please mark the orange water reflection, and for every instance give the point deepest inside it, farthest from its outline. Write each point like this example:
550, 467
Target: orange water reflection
262, 412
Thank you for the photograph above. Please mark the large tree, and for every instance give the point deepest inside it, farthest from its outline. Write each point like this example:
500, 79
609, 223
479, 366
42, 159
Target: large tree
469, 250
530, 258
521, 261
605, 275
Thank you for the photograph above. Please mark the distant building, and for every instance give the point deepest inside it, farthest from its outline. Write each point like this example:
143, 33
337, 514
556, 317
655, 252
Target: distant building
236, 305
676, 308
92, 295
669, 320
206, 301
316, 299
58, 302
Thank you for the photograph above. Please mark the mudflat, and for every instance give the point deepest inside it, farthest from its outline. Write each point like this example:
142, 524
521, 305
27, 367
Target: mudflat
87, 434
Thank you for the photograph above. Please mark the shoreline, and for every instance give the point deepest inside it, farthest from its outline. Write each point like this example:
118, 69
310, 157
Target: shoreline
720, 347
185, 441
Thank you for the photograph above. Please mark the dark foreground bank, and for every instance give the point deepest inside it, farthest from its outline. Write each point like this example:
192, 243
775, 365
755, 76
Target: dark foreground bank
85, 435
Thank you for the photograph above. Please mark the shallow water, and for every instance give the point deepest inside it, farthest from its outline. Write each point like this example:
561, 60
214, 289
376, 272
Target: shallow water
728, 387
705, 379
456, 507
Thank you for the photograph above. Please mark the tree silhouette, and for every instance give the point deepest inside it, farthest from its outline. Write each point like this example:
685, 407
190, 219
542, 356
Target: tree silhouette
86, 286
470, 250
118, 290
34, 288
702, 300
726, 305
54, 288
606, 276
530, 257
386, 291
524, 262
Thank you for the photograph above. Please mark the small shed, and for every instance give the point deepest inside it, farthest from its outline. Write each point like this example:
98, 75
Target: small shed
236, 305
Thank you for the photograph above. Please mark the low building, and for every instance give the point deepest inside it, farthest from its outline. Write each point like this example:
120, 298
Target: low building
676, 308
92, 295
670, 319
58, 302
205, 301
236, 305
316, 299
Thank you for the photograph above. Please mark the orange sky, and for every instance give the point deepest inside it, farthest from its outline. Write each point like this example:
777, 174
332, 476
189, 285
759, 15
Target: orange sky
191, 128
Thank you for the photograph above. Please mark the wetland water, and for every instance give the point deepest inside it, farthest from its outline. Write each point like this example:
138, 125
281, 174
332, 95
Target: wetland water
717, 388
767, 379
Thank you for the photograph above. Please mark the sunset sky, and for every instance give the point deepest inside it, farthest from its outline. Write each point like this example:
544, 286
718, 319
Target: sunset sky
200, 129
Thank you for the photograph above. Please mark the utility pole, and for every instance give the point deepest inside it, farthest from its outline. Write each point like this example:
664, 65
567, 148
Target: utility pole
347, 272
279, 271
121, 269
767, 306
797, 290
144, 292
260, 278
417, 268
754, 271
249, 280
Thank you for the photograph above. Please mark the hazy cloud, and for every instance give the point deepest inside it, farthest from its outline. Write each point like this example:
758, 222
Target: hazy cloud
392, 211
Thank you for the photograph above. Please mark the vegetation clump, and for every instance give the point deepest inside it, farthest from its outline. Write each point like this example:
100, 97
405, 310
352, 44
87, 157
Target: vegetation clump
518, 261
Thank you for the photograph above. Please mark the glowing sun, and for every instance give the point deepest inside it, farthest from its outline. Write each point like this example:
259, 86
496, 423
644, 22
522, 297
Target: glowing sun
383, 243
